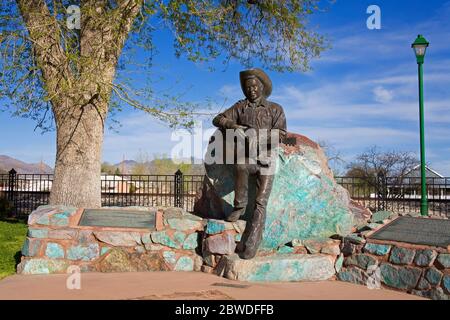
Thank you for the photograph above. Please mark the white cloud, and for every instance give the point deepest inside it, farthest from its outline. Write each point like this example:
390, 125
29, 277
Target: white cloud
382, 95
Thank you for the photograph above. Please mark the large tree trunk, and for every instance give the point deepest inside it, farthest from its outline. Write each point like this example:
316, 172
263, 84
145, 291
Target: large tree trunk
78, 157
80, 95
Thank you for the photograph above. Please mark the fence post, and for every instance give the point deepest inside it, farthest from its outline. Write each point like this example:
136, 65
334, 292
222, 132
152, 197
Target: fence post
179, 186
382, 191
11, 190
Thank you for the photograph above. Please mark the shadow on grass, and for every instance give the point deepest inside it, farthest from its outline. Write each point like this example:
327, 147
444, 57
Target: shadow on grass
17, 258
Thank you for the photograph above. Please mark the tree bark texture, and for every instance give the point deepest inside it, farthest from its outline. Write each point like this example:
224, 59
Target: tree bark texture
78, 158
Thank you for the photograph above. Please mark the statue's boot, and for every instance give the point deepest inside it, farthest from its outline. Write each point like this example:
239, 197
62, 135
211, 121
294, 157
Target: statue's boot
252, 236
235, 215
248, 253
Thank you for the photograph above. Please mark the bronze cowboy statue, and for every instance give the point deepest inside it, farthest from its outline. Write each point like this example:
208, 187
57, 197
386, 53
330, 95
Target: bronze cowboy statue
258, 114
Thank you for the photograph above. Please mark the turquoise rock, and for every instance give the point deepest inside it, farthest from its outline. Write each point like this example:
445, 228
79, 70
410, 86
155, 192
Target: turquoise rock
278, 267
377, 249
374, 226
444, 260
305, 200
286, 249
423, 284
169, 257
84, 253
60, 219
104, 250
214, 226
314, 246
184, 264
41, 215
339, 263
438, 294
37, 233
425, 258
57, 215
433, 294
31, 247
237, 237
146, 238
44, 220
42, 266
44, 215
404, 278
191, 241
353, 275
54, 251
381, 215
362, 261
433, 276
175, 241
184, 224
179, 237
402, 255
446, 283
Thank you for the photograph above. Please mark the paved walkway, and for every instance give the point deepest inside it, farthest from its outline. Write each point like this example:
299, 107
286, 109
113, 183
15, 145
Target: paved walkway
181, 285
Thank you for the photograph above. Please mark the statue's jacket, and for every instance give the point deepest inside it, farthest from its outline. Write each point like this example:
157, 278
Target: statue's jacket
263, 115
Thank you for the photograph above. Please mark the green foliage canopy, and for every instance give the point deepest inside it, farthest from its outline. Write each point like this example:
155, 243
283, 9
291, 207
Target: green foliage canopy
43, 64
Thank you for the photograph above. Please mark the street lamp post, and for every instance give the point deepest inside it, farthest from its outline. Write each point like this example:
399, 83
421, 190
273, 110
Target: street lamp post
420, 48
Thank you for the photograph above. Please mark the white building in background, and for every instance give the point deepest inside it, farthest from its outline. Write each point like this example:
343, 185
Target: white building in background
438, 186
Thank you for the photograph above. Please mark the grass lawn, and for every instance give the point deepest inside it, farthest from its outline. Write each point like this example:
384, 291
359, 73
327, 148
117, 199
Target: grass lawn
12, 237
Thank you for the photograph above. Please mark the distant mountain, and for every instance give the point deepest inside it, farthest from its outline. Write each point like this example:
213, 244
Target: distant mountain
7, 163
125, 166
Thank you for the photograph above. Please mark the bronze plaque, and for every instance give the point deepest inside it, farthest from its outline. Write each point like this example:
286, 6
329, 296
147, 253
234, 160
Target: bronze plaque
117, 218
432, 232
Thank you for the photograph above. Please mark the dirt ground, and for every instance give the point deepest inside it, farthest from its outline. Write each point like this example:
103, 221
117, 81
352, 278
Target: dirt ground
181, 286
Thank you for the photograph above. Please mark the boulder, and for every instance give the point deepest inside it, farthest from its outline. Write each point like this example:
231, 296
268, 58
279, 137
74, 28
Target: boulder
278, 267
305, 202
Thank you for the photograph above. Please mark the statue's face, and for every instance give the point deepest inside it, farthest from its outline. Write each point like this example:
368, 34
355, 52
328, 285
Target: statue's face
253, 89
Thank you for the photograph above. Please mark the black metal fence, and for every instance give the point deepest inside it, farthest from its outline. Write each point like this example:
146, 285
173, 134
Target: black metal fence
400, 195
25, 192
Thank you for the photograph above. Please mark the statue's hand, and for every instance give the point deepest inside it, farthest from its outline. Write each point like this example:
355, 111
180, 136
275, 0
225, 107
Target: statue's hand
240, 130
237, 126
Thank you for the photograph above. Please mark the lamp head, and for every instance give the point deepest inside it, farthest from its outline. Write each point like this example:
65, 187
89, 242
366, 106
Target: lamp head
420, 47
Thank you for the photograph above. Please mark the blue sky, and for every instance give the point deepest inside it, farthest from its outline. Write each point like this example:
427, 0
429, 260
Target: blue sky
361, 92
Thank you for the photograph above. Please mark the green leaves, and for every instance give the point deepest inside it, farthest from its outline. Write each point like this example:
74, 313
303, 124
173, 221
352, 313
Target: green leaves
271, 32
56, 62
